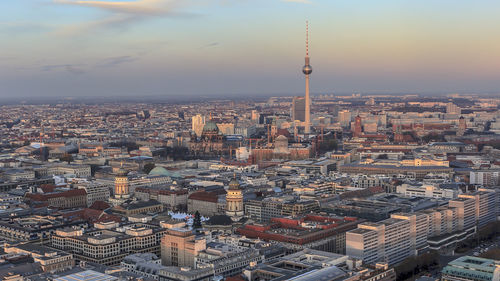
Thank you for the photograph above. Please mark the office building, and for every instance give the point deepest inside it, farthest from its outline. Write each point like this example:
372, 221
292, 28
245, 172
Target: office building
227, 260
427, 190
197, 124
180, 246
452, 108
486, 208
95, 192
485, 178
471, 268
298, 109
344, 118
109, 243
384, 241
73, 198
310, 231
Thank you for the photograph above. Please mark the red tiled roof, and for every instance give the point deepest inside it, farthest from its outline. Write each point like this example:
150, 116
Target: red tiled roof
204, 196
100, 205
45, 197
46, 188
92, 216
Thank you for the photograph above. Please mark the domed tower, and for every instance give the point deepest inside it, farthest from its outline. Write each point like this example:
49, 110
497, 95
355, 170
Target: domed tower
121, 184
234, 200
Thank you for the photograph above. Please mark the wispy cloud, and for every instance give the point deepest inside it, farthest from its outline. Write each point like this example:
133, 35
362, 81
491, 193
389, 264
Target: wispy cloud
142, 7
118, 22
22, 27
213, 44
71, 68
114, 61
298, 1
122, 13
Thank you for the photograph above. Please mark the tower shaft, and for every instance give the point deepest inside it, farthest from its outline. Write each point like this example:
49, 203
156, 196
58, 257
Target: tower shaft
307, 128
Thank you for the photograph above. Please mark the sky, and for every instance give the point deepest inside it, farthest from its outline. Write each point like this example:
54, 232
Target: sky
172, 48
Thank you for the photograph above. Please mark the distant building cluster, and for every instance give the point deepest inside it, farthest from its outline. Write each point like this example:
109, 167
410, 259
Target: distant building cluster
313, 187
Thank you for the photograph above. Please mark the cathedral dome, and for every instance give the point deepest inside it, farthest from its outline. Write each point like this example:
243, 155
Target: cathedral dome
210, 127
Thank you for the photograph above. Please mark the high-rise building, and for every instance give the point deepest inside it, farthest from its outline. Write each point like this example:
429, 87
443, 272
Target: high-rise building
485, 177
307, 70
357, 130
234, 201
452, 108
255, 115
384, 241
484, 205
197, 124
466, 212
298, 109
180, 246
344, 118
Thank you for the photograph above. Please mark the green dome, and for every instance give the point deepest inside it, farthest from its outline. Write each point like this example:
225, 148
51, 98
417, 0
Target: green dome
210, 127
160, 171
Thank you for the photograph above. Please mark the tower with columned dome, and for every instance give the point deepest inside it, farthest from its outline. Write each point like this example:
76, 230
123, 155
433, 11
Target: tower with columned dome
122, 192
234, 200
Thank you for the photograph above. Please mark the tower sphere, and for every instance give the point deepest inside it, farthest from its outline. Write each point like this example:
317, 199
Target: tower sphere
307, 69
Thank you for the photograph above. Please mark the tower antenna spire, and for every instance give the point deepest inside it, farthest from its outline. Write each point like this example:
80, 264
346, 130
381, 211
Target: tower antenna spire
307, 38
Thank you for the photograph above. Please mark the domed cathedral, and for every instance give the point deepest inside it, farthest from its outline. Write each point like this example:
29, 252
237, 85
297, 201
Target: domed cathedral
121, 187
210, 131
234, 200
211, 142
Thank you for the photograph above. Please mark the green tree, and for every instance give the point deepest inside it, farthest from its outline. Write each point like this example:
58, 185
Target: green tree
328, 144
197, 220
66, 158
148, 167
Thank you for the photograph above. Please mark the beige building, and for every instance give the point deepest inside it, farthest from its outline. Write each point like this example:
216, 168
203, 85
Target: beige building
109, 244
180, 246
226, 128
404, 235
485, 205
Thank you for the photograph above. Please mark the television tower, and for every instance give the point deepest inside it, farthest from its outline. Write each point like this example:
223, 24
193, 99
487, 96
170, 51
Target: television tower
307, 69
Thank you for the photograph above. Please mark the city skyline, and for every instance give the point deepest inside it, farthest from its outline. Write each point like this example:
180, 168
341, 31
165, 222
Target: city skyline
219, 48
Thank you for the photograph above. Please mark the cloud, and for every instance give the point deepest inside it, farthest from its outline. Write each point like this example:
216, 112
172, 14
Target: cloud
122, 13
117, 22
71, 68
142, 7
298, 1
114, 61
22, 27
213, 44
